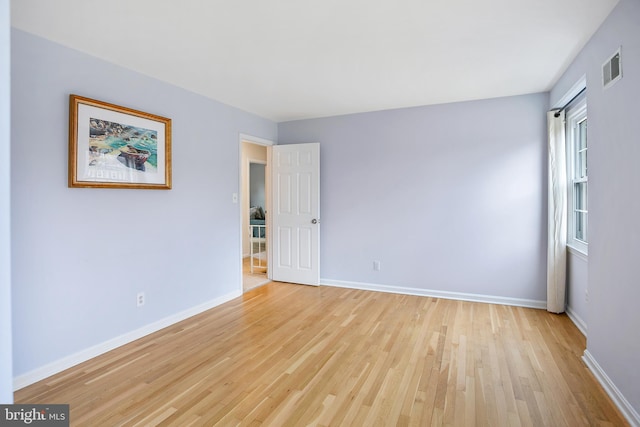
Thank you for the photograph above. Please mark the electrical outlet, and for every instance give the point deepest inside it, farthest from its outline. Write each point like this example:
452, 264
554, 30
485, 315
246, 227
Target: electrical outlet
376, 265
140, 299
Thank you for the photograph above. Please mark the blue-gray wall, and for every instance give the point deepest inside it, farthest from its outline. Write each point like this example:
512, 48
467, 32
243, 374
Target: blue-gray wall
613, 337
6, 375
256, 184
80, 256
449, 197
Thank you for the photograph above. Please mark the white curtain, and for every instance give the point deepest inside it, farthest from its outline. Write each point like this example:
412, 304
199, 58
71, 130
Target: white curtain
557, 224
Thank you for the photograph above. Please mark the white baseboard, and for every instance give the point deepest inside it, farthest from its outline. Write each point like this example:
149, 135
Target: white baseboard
621, 402
519, 302
96, 350
577, 320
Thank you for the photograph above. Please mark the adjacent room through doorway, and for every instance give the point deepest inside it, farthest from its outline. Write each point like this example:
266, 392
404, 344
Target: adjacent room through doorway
254, 215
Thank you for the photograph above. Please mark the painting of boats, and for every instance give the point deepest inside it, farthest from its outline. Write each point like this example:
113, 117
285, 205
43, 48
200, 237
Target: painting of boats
111, 146
133, 157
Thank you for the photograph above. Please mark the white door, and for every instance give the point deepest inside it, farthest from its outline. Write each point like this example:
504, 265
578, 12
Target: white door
295, 213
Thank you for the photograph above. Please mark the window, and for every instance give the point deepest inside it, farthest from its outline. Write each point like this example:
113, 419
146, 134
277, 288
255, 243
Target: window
577, 174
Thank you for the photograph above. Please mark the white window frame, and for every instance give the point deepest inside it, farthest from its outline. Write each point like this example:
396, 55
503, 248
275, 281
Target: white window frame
576, 114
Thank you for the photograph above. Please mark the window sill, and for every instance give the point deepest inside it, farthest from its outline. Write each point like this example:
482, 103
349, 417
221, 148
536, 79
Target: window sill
580, 253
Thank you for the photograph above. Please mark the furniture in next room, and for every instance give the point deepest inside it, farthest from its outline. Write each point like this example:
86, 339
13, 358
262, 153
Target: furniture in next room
257, 238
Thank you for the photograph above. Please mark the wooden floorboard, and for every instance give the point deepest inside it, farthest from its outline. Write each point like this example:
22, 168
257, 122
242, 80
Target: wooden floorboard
292, 355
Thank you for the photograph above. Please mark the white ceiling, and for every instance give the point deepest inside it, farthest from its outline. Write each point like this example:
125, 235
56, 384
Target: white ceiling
292, 59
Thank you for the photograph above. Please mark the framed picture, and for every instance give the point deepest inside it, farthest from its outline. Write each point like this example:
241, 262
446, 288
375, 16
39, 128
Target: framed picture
117, 147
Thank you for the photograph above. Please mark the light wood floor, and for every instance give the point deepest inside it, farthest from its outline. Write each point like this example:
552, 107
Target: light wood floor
292, 355
253, 280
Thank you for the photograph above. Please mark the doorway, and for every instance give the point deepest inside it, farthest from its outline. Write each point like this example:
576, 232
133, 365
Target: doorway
254, 212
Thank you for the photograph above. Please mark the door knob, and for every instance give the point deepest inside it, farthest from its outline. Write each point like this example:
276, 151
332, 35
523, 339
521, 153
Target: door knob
314, 221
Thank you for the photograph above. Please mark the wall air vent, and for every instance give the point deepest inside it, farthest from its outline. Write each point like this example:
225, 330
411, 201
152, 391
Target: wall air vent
612, 70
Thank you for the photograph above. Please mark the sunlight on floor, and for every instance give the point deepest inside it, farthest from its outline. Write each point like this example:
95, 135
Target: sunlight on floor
255, 279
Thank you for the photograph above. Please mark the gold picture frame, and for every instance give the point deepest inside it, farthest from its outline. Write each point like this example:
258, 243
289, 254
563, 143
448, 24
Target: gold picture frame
111, 146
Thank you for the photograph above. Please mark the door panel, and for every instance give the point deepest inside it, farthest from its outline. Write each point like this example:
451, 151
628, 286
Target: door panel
284, 194
304, 243
284, 237
304, 193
